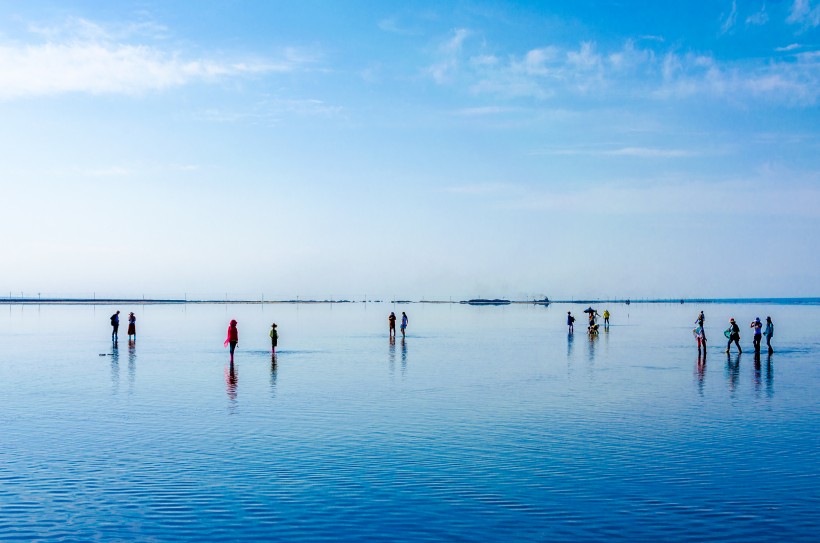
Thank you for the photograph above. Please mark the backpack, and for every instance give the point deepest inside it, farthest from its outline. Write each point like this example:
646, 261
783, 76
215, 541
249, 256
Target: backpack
113, 319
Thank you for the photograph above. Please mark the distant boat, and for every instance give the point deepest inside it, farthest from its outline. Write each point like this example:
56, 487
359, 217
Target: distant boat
482, 301
545, 301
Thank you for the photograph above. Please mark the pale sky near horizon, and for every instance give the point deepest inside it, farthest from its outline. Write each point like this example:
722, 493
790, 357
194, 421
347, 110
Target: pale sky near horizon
410, 149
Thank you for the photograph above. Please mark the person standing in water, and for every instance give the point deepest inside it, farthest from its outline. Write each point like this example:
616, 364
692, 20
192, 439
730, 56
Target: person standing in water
392, 322
700, 333
733, 333
115, 325
606, 318
769, 333
274, 338
758, 334
132, 326
404, 322
232, 338
701, 319
570, 322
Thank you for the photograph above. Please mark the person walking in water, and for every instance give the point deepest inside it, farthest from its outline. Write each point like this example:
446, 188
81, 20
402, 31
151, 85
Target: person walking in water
132, 326
769, 332
274, 338
392, 322
115, 325
404, 322
733, 333
606, 318
232, 338
758, 334
700, 333
701, 319
570, 322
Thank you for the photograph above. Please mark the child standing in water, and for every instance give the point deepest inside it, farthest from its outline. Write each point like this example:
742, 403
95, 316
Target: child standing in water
274, 338
232, 338
769, 333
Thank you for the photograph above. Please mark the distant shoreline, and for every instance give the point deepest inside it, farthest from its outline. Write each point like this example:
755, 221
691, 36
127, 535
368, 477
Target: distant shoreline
172, 301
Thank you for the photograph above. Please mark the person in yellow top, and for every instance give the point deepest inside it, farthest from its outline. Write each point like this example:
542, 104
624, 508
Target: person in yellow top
606, 318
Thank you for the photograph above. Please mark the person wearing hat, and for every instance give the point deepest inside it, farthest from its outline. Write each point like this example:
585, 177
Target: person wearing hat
274, 338
232, 338
132, 326
733, 332
758, 335
769, 332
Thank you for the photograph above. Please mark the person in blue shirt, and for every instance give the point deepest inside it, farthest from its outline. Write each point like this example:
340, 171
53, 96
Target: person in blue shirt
758, 333
404, 322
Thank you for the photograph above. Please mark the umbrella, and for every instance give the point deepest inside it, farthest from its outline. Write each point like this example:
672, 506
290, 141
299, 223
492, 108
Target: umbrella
589, 310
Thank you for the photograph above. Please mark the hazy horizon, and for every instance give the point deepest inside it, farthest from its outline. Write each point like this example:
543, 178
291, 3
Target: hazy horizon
469, 149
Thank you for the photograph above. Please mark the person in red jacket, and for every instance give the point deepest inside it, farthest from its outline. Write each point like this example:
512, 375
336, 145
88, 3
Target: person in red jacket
233, 337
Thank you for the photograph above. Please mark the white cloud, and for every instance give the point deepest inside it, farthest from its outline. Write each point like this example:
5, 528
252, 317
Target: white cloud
450, 52
758, 18
790, 47
729, 22
92, 61
802, 13
634, 152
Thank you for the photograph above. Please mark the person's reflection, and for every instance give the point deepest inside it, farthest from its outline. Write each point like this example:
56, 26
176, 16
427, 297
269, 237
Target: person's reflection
391, 355
769, 376
231, 380
115, 368
593, 339
403, 357
758, 382
273, 369
570, 340
733, 371
701, 372
132, 366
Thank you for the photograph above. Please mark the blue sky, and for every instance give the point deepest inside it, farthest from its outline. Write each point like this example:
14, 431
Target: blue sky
411, 149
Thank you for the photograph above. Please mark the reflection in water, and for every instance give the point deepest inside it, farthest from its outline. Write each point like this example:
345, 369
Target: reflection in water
132, 366
733, 371
701, 372
115, 368
231, 380
570, 338
273, 369
757, 380
403, 357
391, 355
769, 377
593, 340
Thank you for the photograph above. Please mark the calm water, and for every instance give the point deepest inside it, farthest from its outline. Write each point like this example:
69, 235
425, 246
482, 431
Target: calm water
486, 424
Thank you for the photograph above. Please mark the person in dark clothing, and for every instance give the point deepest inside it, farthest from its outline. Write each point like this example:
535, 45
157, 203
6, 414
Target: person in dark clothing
570, 322
758, 333
115, 325
769, 333
734, 336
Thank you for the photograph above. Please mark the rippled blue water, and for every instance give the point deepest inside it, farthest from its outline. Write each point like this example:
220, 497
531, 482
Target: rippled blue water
486, 424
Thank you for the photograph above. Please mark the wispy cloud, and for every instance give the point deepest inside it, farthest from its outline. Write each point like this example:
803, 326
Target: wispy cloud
790, 47
634, 152
449, 53
85, 57
802, 13
759, 18
730, 19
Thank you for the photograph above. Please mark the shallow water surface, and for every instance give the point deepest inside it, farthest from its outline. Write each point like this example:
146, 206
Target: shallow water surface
485, 424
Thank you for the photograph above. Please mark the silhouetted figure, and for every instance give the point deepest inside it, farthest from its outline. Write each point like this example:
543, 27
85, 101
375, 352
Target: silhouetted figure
392, 323
733, 333
115, 325
274, 338
232, 338
570, 322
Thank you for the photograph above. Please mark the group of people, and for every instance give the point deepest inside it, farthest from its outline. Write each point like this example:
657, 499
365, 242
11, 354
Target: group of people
115, 327
232, 338
592, 328
391, 320
732, 334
